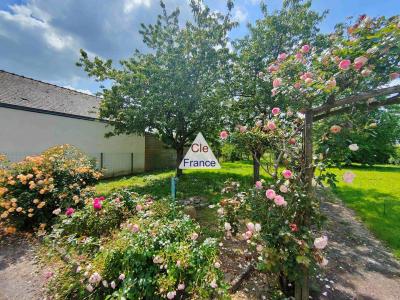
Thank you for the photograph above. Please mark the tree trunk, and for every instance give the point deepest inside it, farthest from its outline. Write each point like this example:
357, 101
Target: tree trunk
256, 166
179, 158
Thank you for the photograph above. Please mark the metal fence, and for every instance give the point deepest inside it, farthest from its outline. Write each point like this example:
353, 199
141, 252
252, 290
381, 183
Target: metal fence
112, 164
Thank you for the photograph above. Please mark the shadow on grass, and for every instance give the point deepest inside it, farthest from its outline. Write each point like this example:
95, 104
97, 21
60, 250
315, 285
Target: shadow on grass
379, 211
204, 184
377, 168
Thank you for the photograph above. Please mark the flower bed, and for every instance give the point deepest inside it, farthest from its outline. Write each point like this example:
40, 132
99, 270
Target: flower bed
133, 247
35, 190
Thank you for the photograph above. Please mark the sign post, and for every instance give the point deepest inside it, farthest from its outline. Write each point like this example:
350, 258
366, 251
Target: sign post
173, 187
199, 156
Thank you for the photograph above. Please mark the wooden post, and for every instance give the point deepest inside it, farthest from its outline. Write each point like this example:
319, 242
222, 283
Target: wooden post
302, 290
308, 150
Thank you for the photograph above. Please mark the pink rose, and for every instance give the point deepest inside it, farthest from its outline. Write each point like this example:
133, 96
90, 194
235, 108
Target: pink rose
171, 295
283, 189
308, 81
97, 204
95, 278
335, 129
121, 276
394, 75
194, 236
276, 111
214, 284
280, 201
321, 242
305, 48
287, 174
271, 125
247, 235
223, 135
258, 185
297, 85
242, 129
348, 177
273, 68
366, 72
292, 141
274, 92
282, 56
250, 226
277, 82
70, 211
181, 286
299, 56
270, 194
293, 227
135, 228
139, 207
344, 64
359, 62
305, 76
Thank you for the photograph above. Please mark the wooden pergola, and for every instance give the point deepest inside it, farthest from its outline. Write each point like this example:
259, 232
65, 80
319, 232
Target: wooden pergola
330, 108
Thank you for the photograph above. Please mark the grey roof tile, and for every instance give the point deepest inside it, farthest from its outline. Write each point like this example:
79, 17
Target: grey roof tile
30, 93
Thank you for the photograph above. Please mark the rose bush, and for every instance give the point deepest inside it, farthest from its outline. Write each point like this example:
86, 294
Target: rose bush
35, 190
279, 210
134, 248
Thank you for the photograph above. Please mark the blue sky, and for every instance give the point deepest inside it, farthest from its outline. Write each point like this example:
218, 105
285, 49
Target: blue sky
41, 38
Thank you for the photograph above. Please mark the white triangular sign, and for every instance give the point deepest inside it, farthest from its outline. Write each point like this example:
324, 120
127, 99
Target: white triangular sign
199, 156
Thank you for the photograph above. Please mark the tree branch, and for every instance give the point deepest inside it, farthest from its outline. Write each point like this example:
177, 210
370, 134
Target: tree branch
326, 108
386, 102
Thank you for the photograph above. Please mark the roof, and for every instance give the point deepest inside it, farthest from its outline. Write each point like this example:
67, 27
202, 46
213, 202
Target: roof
24, 93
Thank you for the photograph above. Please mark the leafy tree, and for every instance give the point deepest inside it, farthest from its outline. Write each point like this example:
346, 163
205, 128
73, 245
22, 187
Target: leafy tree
276, 33
374, 132
175, 90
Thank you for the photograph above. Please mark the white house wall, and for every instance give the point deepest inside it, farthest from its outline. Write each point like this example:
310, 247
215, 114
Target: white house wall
25, 133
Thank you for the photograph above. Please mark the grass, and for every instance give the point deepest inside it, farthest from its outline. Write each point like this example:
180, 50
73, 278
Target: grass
375, 197
205, 183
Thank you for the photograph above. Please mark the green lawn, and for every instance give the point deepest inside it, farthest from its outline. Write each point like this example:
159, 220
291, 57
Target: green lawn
206, 183
374, 194
375, 197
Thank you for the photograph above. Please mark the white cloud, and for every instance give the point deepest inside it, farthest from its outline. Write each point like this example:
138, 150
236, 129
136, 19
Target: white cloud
78, 90
130, 5
240, 14
41, 38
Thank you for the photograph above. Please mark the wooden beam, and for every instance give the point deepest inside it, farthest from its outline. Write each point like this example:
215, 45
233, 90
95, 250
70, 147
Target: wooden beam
356, 98
389, 101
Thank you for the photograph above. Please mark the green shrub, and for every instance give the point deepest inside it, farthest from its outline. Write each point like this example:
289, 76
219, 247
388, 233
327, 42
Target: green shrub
35, 190
134, 248
230, 152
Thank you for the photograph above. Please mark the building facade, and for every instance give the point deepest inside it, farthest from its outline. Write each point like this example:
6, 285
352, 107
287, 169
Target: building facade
35, 115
